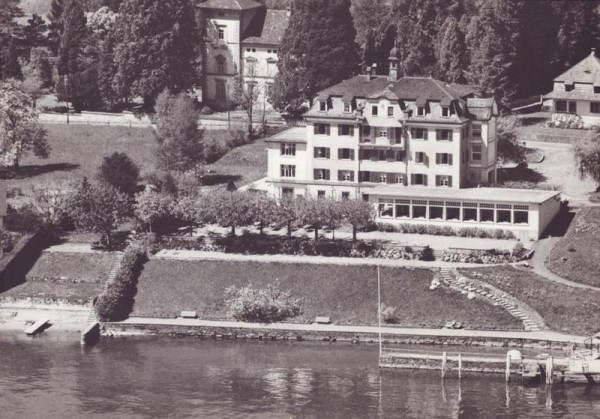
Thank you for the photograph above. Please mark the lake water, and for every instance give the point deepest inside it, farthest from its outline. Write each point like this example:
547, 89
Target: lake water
53, 377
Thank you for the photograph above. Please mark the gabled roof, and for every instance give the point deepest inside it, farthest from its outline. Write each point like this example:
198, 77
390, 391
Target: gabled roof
586, 71
230, 4
268, 27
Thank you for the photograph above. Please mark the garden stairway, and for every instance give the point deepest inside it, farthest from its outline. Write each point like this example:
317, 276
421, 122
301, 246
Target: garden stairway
531, 319
114, 269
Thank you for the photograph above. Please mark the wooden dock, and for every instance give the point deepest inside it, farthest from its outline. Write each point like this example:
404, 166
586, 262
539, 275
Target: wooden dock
37, 327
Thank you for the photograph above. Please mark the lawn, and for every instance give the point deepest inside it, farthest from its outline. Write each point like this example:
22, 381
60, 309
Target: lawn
72, 267
78, 150
347, 294
60, 292
564, 309
577, 255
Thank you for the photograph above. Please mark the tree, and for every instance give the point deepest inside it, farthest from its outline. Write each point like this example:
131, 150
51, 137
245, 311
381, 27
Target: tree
180, 145
264, 209
9, 10
99, 209
268, 305
318, 50
369, 53
509, 148
450, 53
12, 68
34, 32
287, 212
230, 209
358, 213
152, 207
313, 212
587, 155
120, 172
50, 204
55, 28
245, 95
156, 47
20, 131
333, 214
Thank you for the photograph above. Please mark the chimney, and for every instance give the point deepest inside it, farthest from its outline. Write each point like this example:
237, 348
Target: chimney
594, 52
374, 69
368, 73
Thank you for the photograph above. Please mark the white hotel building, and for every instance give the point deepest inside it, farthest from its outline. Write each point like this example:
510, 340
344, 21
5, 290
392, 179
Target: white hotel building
421, 150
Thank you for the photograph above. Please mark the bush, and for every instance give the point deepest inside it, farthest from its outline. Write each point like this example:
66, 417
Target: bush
22, 220
214, 148
55, 109
427, 254
388, 314
206, 110
261, 305
116, 302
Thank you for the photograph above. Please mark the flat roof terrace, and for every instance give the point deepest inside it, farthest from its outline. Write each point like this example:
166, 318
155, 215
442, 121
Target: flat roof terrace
292, 135
527, 196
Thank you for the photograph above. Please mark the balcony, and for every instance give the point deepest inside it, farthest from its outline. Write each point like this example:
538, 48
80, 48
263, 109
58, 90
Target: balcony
381, 142
381, 136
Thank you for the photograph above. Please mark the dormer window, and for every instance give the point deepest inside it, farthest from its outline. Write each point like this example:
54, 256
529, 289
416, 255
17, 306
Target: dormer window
421, 110
596, 89
322, 106
445, 111
569, 87
374, 110
390, 111
347, 108
221, 32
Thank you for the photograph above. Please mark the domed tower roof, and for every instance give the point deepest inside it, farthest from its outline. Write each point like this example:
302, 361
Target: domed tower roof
394, 51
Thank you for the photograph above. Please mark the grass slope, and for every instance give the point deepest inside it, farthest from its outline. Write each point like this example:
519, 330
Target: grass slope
79, 267
347, 294
577, 255
565, 309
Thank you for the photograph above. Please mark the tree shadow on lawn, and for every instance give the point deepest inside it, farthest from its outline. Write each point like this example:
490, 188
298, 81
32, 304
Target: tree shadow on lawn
520, 173
217, 179
33, 170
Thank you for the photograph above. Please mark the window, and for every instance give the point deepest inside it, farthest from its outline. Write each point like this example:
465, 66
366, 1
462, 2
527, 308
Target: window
347, 107
452, 213
403, 211
444, 135
420, 157
221, 32
346, 130
321, 174
399, 178
221, 67
322, 106
345, 196
469, 214
445, 111
595, 107
269, 89
486, 215
419, 133
419, 179
476, 131
419, 211
443, 181
345, 154
476, 152
383, 178
383, 132
596, 89
560, 105
320, 194
287, 192
443, 158
345, 175
322, 152
386, 209
253, 49
569, 87
399, 156
251, 67
288, 149
421, 110
366, 134
322, 129
436, 213
521, 217
572, 107
220, 89
374, 110
390, 111
288, 170
504, 216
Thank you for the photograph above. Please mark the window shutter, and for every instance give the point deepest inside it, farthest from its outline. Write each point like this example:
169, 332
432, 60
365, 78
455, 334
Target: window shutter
390, 178
352, 155
327, 174
374, 156
425, 182
316, 174
327, 129
352, 176
438, 158
315, 152
316, 126
413, 179
327, 153
339, 153
339, 129
450, 181
352, 131
450, 158
340, 175
426, 159
425, 134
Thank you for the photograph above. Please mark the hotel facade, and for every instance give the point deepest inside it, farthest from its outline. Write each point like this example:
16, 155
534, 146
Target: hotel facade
421, 150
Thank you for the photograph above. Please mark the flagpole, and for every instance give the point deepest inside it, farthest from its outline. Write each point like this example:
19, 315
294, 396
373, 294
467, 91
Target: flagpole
379, 307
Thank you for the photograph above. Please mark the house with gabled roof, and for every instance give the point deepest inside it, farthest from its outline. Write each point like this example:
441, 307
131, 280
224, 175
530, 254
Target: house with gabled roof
421, 150
577, 91
242, 36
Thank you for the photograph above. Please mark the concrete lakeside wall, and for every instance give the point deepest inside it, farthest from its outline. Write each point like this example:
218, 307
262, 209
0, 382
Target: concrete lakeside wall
20, 260
120, 330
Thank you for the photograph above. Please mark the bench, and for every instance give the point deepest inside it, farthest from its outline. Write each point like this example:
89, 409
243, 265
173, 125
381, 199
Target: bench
322, 320
188, 315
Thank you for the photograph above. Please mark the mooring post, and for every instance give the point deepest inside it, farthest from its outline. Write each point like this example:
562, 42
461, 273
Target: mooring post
459, 366
507, 368
444, 361
549, 370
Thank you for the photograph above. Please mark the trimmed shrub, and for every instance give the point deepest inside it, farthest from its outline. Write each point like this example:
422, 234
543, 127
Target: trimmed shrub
427, 254
116, 302
388, 314
261, 305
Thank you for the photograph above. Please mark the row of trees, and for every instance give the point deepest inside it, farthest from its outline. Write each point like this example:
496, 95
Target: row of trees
505, 47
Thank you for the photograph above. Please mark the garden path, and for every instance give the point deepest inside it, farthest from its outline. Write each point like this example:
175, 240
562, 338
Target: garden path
200, 255
542, 251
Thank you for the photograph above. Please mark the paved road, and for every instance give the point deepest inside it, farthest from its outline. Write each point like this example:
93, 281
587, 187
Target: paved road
332, 328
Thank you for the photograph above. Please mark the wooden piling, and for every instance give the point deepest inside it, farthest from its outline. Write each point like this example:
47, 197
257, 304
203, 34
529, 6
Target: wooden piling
507, 368
549, 370
459, 366
444, 364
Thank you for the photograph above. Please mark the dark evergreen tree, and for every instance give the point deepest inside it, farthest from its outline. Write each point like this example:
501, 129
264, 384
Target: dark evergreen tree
33, 33
156, 49
9, 10
55, 28
578, 30
369, 52
12, 68
318, 51
120, 172
450, 53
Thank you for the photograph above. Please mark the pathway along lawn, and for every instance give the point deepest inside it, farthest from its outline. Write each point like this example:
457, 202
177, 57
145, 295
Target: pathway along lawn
348, 294
564, 309
576, 256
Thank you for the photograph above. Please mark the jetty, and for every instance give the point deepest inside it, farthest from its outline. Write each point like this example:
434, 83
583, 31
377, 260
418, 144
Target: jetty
37, 327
